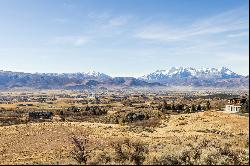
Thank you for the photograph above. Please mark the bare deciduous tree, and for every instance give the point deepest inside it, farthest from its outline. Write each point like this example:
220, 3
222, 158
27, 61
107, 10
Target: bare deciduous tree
80, 152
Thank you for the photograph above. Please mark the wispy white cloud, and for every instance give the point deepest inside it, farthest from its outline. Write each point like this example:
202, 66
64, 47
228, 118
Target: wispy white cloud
68, 5
61, 20
233, 58
237, 61
118, 21
227, 22
220, 39
99, 15
106, 20
239, 34
70, 40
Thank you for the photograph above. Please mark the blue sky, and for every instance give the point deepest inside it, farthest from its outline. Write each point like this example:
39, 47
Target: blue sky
123, 37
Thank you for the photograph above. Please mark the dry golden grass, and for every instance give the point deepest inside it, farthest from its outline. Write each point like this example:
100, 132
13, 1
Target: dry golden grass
216, 137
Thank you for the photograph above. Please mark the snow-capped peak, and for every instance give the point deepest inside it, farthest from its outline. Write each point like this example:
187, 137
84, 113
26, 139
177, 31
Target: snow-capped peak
93, 73
226, 71
161, 72
189, 72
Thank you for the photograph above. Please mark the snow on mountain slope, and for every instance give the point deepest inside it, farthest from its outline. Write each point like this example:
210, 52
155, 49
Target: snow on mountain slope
176, 76
189, 72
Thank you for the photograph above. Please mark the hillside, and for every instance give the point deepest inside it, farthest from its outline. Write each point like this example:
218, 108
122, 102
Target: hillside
207, 77
218, 138
71, 81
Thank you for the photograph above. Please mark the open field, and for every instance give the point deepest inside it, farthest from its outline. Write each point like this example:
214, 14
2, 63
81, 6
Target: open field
114, 127
198, 138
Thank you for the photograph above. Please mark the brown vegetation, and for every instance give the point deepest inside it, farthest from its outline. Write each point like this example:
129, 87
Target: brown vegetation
207, 138
134, 130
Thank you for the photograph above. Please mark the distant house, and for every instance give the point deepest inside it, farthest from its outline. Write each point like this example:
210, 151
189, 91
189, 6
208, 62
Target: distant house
234, 104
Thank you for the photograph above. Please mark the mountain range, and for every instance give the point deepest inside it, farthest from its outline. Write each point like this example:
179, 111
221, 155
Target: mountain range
203, 77
176, 76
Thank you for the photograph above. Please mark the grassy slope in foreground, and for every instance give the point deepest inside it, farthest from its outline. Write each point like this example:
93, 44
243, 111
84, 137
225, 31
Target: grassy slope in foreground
219, 138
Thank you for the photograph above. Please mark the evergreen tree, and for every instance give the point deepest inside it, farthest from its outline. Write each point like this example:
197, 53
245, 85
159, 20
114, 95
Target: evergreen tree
164, 105
179, 107
173, 107
187, 109
193, 109
87, 108
245, 106
208, 106
199, 107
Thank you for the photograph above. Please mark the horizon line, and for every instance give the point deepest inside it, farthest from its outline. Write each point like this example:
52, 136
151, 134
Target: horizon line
115, 75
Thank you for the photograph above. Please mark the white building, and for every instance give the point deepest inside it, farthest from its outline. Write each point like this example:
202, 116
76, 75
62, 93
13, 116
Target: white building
232, 108
234, 104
